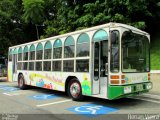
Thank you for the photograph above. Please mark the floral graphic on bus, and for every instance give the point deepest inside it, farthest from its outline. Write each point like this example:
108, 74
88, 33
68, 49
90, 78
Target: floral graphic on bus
136, 78
40, 83
10, 74
145, 78
86, 86
128, 80
48, 86
46, 80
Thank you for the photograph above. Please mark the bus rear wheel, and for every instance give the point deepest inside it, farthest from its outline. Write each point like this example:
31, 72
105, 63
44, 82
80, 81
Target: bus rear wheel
21, 83
75, 90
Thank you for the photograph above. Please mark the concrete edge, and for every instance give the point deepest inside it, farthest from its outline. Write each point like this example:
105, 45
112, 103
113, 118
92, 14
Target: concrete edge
155, 71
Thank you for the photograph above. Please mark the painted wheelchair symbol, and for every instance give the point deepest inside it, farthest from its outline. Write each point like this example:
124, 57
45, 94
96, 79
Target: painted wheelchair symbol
88, 109
43, 96
9, 89
92, 110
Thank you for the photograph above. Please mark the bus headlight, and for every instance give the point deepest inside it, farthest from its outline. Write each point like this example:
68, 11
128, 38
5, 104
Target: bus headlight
149, 85
127, 89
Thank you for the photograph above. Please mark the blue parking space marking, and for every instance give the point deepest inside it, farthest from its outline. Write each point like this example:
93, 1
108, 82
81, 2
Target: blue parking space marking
2, 86
8, 88
92, 110
43, 96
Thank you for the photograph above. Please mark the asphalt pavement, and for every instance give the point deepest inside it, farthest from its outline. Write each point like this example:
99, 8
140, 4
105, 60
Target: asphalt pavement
41, 104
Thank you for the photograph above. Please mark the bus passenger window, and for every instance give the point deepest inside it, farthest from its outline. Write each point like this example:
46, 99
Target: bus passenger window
57, 49
68, 65
82, 66
47, 66
69, 47
31, 65
56, 65
25, 65
39, 66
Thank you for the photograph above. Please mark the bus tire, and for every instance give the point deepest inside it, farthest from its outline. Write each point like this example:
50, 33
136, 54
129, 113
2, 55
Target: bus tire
75, 90
21, 82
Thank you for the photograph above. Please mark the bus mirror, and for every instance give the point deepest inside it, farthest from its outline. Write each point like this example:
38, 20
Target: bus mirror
106, 68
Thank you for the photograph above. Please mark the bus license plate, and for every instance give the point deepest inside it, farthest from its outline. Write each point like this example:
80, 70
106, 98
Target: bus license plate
139, 87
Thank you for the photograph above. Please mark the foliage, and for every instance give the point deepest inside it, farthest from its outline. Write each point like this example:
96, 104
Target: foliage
78, 14
9, 25
19, 17
33, 11
155, 49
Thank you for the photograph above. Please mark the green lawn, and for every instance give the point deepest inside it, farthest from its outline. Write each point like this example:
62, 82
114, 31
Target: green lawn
155, 52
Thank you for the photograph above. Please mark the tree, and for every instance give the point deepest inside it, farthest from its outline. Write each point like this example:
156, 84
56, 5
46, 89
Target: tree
73, 15
18, 18
10, 29
34, 12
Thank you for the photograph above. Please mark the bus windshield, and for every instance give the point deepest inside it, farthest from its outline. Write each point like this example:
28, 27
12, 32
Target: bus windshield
135, 52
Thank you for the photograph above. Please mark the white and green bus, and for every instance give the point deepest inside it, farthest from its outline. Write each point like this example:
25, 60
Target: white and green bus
108, 61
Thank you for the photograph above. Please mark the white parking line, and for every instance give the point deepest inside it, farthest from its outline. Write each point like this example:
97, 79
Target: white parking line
13, 94
7, 94
53, 103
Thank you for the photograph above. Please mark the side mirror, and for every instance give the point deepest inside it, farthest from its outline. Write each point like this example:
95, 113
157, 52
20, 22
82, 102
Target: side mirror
106, 68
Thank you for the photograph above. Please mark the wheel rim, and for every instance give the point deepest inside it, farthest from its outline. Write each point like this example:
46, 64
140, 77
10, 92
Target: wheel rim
75, 89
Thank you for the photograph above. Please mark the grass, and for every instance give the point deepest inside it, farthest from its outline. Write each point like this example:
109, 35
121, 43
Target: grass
155, 52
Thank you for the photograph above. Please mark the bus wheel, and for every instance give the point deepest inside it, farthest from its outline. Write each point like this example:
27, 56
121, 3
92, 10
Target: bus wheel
21, 83
75, 90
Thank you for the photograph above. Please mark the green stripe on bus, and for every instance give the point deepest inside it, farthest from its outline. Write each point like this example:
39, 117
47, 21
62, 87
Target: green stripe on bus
114, 92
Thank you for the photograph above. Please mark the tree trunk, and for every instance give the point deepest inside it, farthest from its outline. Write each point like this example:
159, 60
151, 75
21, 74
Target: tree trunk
37, 32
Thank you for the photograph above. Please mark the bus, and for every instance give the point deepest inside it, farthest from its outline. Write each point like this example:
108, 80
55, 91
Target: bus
3, 66
109, 61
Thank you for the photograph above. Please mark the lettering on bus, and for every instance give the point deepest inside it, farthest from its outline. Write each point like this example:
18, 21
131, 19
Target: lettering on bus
136, 78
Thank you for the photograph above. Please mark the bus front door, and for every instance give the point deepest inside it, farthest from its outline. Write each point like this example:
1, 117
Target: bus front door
100, 54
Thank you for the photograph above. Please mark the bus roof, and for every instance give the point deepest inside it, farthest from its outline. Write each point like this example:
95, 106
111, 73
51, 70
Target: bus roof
111, 25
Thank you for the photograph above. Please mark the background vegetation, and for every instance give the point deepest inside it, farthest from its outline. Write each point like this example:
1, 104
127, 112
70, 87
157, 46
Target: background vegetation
26, 20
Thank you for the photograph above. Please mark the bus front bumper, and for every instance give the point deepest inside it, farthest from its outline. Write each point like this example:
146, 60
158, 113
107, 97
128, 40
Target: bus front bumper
115, 92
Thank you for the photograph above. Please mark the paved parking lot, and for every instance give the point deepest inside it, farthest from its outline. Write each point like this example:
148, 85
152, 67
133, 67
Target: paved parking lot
37, 103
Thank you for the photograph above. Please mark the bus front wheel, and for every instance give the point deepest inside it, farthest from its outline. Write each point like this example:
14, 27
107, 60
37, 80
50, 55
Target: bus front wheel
21, 83
75, 90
